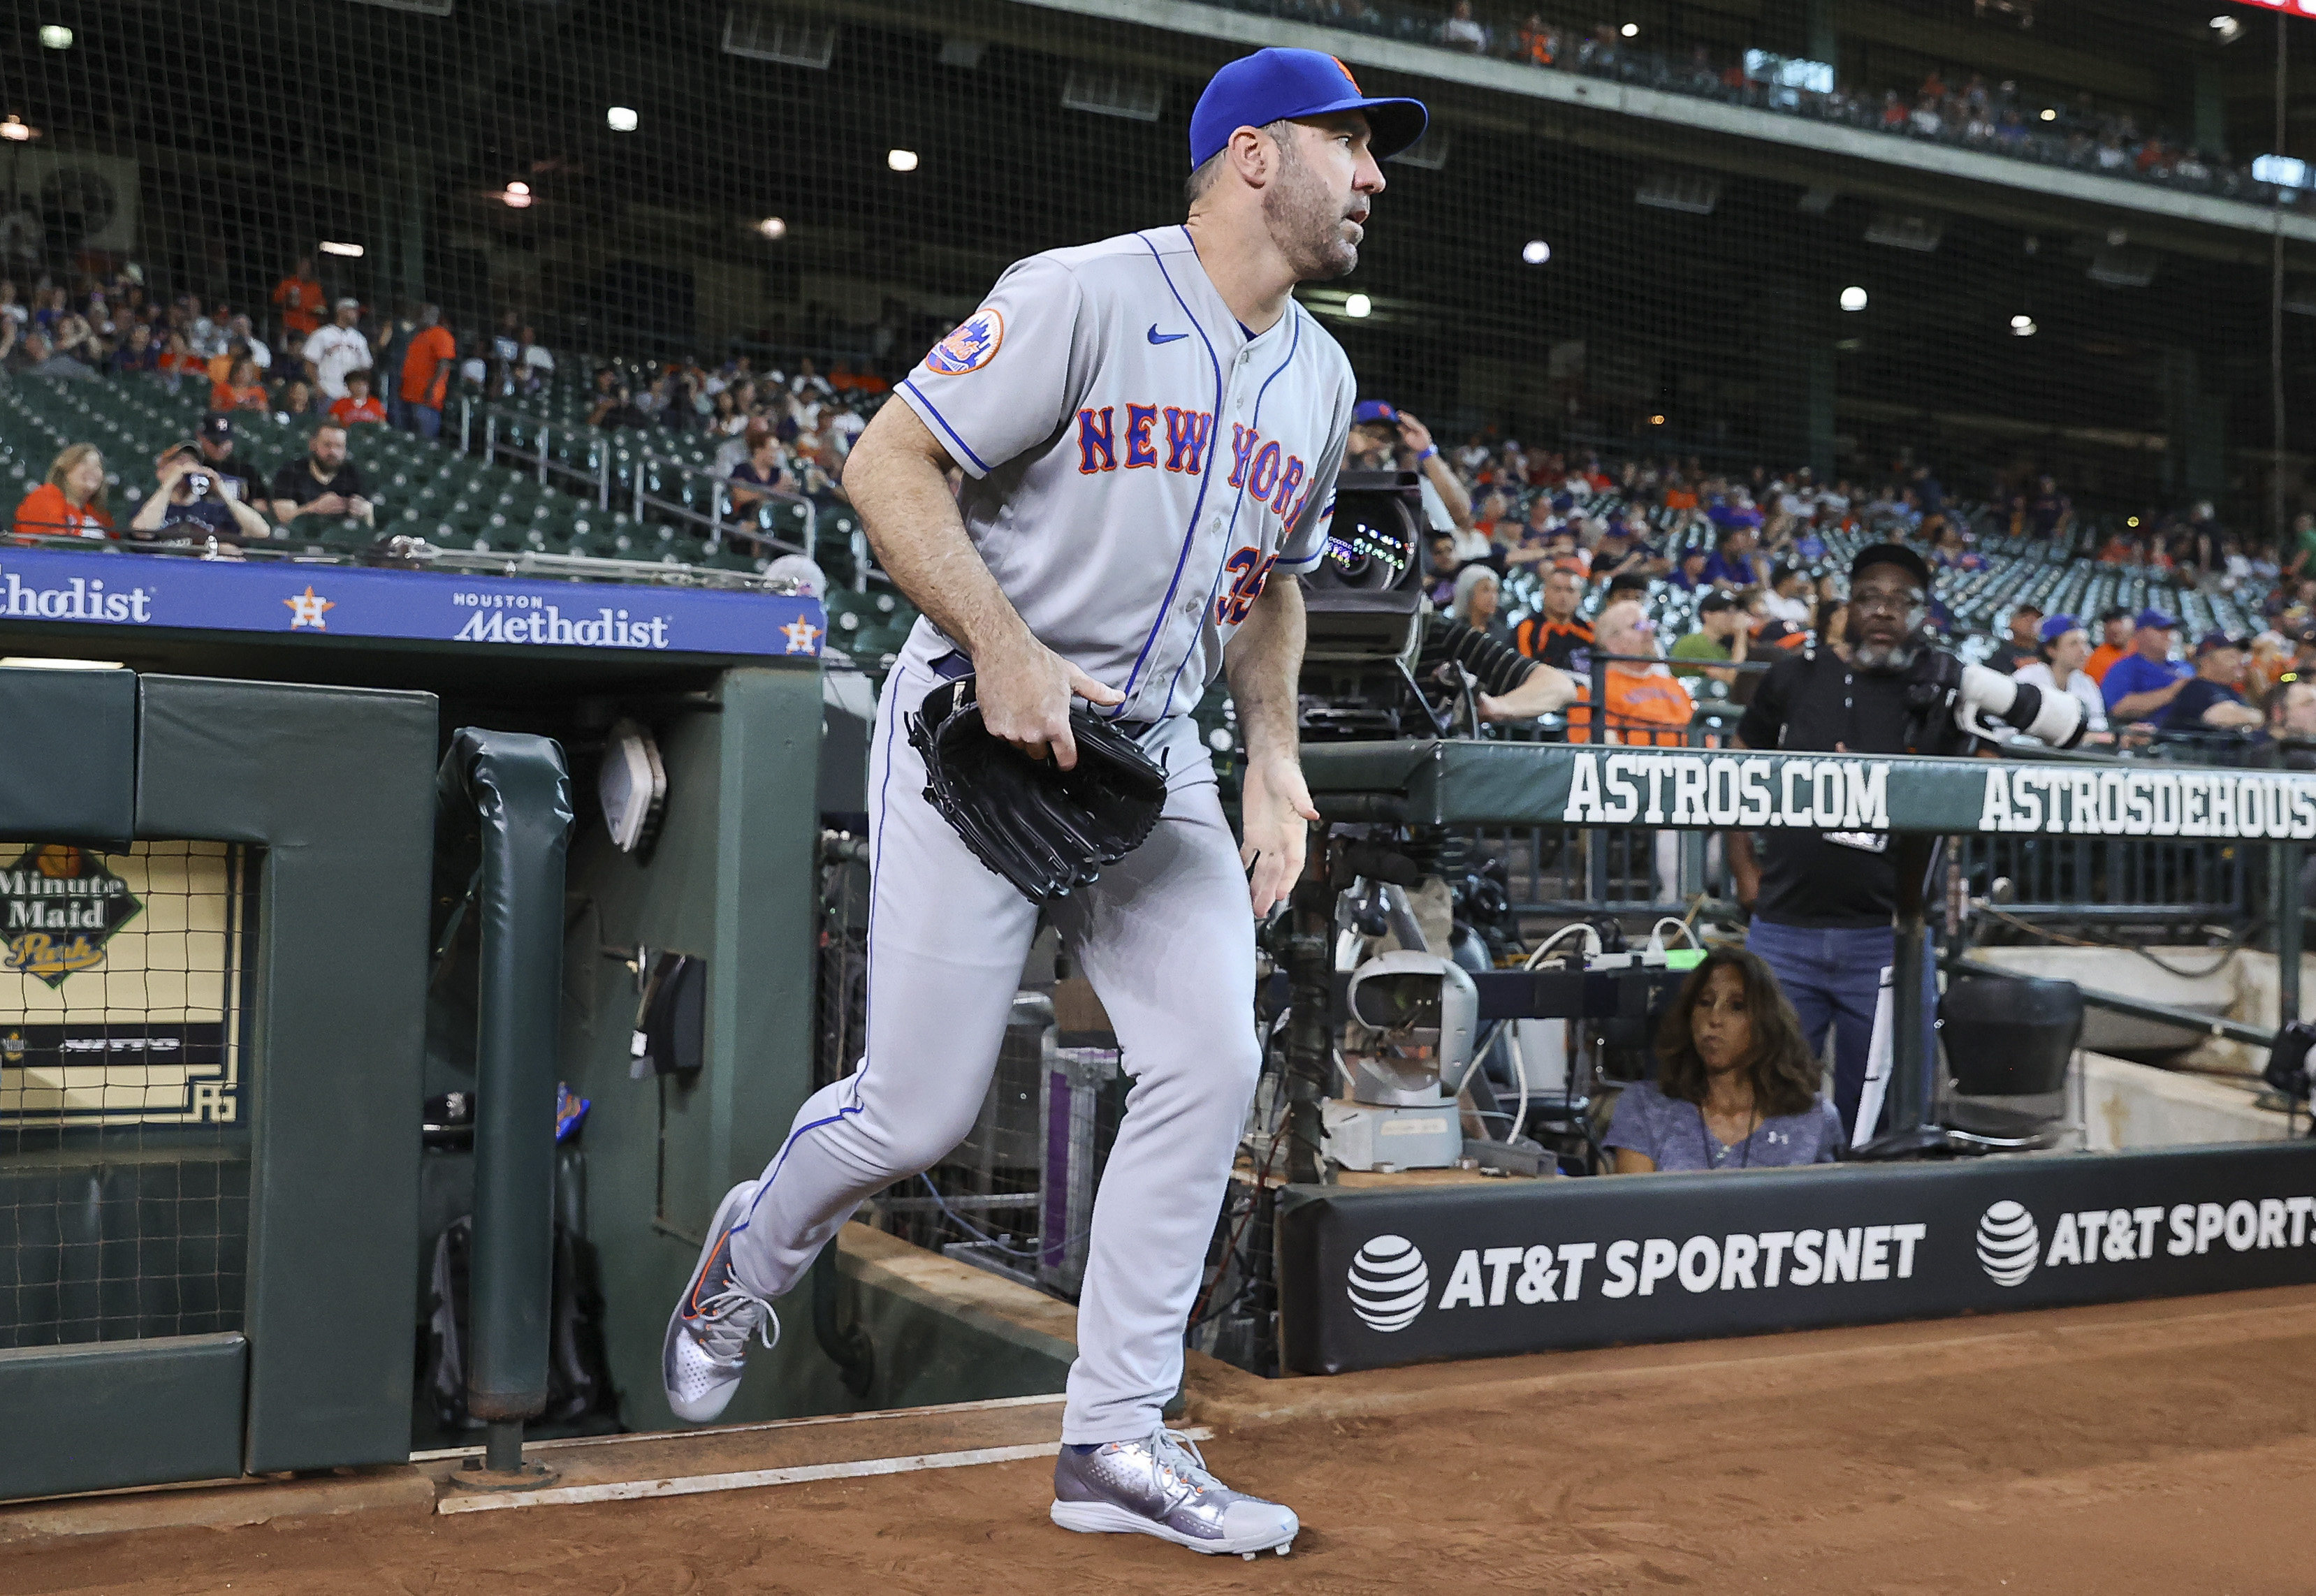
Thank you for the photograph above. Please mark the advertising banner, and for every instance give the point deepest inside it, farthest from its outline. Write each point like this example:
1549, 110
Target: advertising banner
1371, 1279
121, 984
1847, 796
141, 592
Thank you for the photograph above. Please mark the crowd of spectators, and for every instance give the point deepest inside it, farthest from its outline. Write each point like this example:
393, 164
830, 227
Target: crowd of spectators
1949, 106
1528, 542
775, 431
336, 367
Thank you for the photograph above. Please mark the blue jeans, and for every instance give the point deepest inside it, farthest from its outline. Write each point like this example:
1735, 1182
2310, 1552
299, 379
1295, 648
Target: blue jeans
425, 421
1831, 976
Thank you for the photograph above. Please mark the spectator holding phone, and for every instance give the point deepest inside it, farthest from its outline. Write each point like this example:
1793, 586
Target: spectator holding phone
190, 504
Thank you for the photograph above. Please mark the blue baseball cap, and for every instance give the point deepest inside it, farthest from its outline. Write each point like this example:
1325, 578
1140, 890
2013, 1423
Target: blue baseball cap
2058, 626
1274, 85
1374, 410
2156, 618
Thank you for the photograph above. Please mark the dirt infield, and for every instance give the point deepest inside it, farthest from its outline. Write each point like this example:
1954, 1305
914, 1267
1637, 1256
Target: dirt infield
2151, 1448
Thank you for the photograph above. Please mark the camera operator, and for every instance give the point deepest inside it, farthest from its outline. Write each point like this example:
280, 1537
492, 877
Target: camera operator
1823, 902
1505, 685
1385, 437
191, 503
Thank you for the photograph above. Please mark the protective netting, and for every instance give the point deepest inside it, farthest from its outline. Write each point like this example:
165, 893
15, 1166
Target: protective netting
1632, 236
124, 1136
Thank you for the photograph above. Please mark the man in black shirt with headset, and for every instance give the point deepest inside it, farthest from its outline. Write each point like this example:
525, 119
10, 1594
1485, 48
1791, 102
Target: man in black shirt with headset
1823, 902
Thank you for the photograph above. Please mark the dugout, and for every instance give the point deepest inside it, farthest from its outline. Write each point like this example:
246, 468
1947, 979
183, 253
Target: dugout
289, 770
1399, 1272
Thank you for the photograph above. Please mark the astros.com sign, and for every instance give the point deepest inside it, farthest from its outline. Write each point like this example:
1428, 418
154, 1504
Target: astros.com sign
1766, 792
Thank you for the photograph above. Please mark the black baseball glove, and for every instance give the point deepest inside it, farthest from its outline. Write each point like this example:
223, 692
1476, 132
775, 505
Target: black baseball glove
1044, 829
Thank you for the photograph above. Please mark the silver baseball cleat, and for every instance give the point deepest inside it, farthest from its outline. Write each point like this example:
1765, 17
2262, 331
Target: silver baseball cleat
1159, 1486
707, 1344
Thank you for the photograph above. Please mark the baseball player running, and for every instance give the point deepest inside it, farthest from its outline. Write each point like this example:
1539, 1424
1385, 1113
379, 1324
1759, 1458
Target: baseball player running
1149, 429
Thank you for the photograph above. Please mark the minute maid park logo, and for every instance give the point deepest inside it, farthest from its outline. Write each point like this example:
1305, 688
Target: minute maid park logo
59, 906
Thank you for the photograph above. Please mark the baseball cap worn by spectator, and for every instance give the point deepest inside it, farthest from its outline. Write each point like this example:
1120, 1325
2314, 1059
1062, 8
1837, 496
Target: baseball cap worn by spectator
2056, 628
217, 425
2211, 643
1371, 410
1894, 553
1278, 84
2155, 620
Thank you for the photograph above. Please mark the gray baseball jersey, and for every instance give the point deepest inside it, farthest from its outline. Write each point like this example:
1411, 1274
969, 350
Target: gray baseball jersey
1139, 464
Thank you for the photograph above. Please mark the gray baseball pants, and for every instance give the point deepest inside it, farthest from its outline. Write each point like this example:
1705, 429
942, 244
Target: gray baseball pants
1167, 938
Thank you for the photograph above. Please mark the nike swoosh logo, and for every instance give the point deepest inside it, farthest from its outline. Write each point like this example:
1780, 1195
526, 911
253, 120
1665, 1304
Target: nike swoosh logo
1158, 337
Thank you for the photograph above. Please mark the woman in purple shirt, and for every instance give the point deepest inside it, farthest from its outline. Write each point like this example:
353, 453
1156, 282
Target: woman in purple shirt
1736, 1087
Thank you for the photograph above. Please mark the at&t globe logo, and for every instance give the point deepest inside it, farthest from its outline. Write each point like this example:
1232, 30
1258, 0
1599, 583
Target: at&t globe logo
1389, 1284
2009, 1242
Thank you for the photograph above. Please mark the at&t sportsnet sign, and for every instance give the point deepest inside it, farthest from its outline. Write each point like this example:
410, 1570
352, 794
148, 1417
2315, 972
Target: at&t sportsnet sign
1373, 1278
143, 592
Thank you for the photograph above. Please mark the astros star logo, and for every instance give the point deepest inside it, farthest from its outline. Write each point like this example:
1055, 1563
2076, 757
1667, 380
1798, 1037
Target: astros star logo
801, 635
306, 610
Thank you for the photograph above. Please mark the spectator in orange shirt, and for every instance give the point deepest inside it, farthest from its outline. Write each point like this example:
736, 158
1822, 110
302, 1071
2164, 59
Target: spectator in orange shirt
359, 405
71, 502
2115, 642
241, 390
299, 295
426, 371
1647, 704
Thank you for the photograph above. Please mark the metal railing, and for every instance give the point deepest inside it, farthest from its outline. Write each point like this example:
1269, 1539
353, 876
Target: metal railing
718, 521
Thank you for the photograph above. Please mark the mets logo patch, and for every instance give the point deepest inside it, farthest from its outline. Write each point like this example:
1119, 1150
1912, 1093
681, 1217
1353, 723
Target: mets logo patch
970, 345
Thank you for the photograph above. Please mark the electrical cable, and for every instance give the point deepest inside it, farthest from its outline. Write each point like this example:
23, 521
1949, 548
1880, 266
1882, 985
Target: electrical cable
1592, 936
2236, 944
1680, 925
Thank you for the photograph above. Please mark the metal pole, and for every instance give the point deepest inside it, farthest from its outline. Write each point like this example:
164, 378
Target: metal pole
544, 430
2283, 904
1912, 1057
1310, 1041
1596, 839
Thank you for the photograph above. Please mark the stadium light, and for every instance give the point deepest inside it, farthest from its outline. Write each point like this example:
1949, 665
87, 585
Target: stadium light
2050, 113
517, 195
1357, 305
2229, 29
352, 251
1630, 30
15, 131
621, 119
1656, 420
901, 160
1536, 251
1853, 298
56, 37
772, 227
2022, 326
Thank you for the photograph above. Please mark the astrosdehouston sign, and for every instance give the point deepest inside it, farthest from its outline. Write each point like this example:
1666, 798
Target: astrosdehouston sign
1370, 1279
